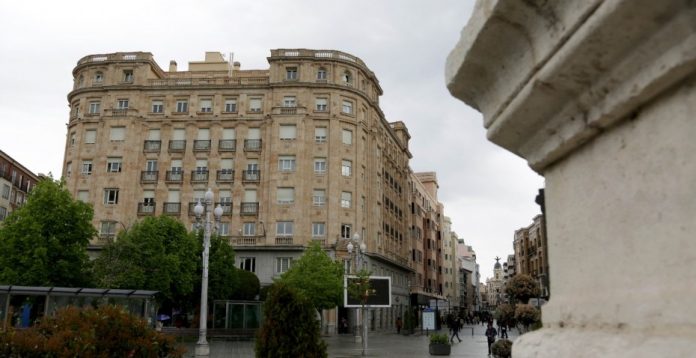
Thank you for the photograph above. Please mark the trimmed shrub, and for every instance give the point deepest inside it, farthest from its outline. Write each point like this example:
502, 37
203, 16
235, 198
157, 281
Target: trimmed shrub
439, 338
502, 348
108, 331
527, 315
290, 327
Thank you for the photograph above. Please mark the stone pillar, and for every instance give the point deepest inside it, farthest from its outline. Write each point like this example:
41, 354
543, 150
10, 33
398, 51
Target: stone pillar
600, 98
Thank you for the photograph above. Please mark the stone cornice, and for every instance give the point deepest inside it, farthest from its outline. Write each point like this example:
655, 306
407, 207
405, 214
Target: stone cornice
548, 78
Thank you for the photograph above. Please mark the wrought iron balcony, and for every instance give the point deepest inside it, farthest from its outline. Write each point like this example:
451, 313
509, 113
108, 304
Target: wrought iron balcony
174, 176
177, 146
226, 207
249, 208
171, 208
225, 176
146, 208
199, 176
152, 146
200, 145
252, 145
149, 176
227, 145
251, 176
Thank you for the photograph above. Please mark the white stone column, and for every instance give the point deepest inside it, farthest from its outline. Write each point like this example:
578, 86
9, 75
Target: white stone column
600, 98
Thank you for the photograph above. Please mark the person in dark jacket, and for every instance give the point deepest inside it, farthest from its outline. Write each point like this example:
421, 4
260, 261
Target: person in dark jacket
491, 332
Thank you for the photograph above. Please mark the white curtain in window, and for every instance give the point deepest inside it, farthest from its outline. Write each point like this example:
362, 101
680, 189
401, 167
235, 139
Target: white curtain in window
204, 134
90, 136
320, 132
179, 134
201, 163
148, 194
173, 196
254, 133
153, 134
286, 195
288, 131
226, 164
249, 196
228, 133
347, 137
117, 133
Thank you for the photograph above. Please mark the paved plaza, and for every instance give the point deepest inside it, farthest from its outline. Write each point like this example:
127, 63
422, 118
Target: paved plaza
379, 345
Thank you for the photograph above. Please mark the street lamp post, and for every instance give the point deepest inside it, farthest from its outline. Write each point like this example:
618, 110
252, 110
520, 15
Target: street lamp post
358, 263
202, 348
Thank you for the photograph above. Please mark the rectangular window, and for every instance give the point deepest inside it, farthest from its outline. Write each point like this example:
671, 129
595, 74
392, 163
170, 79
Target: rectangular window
286, 163
107, 229
224, 229
182, 106
127, 75
288, 132
86, 167
206, 105
286, 195
321, 104
346, 198
319, 197
110, 196
5, 191
318, 229
83, 196
3, 213
249, 229
231, 105
255, 104
347, 107
289, 101
117, 134
320, 134
321, 74
122, 104
247, 264
283, 264
113, 164
347, 136
90, 136
68, 169
157, 106
346, 168
291, 73
345, 231
94, 107
319, 165
284, 228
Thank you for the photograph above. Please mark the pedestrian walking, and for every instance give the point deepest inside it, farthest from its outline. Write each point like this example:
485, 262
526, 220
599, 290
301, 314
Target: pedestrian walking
503, 332
454, 329
490, 334
398, 325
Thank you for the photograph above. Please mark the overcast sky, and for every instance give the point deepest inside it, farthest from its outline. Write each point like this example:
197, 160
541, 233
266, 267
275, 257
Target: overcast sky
487, 192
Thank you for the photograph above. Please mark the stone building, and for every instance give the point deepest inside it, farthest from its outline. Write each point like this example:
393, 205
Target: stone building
598, 97
495, 285
295, 153
16, 181
531, 249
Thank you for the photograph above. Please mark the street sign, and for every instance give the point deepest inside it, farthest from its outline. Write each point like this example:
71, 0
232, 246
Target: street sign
428, 320
380, 295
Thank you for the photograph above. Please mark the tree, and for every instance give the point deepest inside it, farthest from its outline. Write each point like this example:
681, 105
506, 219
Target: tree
156, 253
247, 285
44, 242
289, 328
520, 288
505, 315
527, 315
223, 277
317, 276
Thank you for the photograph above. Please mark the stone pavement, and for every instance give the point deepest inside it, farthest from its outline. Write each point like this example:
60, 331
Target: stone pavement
380, 344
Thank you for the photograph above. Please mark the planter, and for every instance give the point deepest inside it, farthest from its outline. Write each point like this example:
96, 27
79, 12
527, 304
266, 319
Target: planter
440, 349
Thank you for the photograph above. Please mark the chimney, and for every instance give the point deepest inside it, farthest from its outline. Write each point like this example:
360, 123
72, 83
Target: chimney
172, 66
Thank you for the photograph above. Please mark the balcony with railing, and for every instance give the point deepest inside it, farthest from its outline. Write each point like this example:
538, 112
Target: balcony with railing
152, 146
201, 145
149, 176
120, 112
251, 176
226, 207
177, 146
244, 241
252, 145
146, 208
227, 145
225, 176
207, 81
171, 208
288, 110
174, 176
249, 208
283, 240
199, 176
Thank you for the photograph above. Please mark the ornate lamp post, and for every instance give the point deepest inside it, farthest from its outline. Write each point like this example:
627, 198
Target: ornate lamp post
202, 348
358, 264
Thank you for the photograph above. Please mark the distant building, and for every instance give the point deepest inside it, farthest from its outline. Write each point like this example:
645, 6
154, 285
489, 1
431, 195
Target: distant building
16, 181
531, 253
495, 285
